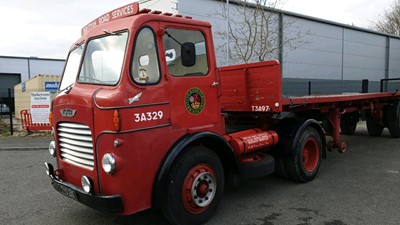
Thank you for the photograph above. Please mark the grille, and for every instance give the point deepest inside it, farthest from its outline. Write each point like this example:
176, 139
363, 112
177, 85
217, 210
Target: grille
76, 146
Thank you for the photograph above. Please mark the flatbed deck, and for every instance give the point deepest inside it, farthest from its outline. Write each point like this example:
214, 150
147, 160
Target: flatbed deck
256, 88
335, 98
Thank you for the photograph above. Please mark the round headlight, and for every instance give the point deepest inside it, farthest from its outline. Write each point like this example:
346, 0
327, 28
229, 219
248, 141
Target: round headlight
108, 163
52, 148
86, 184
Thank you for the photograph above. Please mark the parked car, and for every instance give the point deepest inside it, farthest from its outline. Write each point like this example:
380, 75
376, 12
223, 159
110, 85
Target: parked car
4, 109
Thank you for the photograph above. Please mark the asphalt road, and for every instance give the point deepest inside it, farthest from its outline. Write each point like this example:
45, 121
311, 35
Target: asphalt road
359, 187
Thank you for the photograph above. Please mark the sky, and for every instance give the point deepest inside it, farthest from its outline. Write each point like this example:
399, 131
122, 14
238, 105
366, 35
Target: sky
48, 28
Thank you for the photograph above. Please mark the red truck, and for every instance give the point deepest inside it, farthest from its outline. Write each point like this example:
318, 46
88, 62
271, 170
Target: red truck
144, 118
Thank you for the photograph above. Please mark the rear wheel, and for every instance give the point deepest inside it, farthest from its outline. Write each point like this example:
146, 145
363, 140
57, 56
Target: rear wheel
348, 123
393, 120
303, 166
194, 187
374, 128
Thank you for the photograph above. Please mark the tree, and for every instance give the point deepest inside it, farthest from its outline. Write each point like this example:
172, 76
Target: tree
256, 31
389, 21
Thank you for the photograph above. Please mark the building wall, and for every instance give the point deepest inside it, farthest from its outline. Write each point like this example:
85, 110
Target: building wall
55, 67
170, 6
30, 67
336, 58
394, 63
14, 70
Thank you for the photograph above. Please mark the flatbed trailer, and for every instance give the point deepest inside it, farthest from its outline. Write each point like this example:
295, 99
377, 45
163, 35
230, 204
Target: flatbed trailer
145, 119
257, 87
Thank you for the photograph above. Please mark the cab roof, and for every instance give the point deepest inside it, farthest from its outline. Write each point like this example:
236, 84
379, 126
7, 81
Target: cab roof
131, 9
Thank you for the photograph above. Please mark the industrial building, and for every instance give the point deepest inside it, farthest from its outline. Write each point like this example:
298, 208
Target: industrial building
15, 70
336, 58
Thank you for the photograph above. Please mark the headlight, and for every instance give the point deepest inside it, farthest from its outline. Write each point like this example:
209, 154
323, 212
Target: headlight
86, 184
52, 148
108, 163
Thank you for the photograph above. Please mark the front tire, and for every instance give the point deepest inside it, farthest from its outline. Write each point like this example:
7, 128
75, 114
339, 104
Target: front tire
194, 187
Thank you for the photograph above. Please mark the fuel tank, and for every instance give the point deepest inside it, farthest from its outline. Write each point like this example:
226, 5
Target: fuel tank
248, 141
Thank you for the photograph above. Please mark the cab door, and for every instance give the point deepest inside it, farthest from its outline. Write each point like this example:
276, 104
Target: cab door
192, 82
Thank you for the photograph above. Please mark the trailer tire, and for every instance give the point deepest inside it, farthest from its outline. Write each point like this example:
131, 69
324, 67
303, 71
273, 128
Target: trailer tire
303, 166
286, 130
393, 121
374, 128
194, 187
348, 123
280, 167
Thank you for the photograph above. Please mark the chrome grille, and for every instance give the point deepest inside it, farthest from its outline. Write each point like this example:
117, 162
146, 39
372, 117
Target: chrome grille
76, 146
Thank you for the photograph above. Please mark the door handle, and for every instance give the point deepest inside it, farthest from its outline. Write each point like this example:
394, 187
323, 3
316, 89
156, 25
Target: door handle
214, 84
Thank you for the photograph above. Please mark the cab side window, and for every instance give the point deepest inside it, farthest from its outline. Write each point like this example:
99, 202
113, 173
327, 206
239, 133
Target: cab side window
176, 41
145, 66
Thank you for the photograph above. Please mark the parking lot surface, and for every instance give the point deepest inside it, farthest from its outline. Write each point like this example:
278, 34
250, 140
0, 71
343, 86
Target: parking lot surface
358, 187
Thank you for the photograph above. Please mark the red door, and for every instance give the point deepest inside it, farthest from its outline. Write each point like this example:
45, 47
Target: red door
193, 89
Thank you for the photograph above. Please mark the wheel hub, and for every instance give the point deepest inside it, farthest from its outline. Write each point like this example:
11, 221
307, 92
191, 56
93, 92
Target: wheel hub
310, 155
203, 189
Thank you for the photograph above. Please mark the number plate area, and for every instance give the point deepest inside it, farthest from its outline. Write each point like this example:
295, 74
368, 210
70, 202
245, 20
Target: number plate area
68, 192
261, 108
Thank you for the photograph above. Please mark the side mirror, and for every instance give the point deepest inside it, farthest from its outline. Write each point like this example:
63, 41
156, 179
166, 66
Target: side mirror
188, 54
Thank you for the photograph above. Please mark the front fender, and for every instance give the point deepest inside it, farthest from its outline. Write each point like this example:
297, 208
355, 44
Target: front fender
187, 140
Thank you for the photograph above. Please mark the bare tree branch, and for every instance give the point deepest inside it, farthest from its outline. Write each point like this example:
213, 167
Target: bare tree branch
254, 31
389, 21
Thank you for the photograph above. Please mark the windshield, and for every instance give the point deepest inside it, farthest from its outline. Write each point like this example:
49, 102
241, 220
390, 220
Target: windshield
103, 60
71, 68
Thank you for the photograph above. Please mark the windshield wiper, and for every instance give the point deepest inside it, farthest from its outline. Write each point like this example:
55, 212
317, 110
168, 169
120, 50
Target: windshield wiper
110, 32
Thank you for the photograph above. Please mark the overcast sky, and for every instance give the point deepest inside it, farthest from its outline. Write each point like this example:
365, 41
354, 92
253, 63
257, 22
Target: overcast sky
47, 28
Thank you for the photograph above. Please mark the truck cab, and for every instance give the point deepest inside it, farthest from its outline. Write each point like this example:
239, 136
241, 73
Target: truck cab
144, 118
138, 86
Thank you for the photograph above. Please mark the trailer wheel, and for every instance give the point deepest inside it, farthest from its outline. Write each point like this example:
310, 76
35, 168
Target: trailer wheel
348, 123
194, 187
393, 122
374, 128
303, 166
280, 167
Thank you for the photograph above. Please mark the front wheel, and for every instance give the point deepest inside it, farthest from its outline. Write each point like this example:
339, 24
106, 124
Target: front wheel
194, 187
304, 164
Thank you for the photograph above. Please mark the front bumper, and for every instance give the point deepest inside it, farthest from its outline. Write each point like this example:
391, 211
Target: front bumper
110, 203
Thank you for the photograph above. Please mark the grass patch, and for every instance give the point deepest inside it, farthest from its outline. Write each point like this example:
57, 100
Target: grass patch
4, 128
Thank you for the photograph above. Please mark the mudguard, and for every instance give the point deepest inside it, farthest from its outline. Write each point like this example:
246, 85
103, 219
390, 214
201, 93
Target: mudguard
289, 131
213, 142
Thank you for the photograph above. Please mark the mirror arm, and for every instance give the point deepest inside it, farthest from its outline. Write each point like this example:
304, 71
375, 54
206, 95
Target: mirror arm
170, 36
